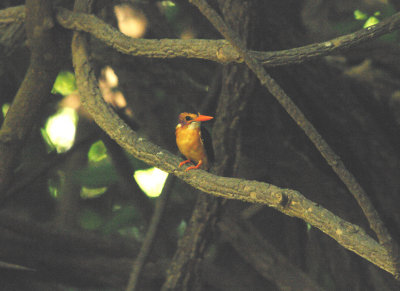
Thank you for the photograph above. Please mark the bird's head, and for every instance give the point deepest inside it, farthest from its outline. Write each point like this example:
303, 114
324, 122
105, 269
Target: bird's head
191, 119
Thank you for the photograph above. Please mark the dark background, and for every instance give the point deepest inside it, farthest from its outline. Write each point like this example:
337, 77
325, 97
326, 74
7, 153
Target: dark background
352, 98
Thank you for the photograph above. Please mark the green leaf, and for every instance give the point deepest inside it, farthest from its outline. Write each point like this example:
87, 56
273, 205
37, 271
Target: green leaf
170, 9
97, 152
49, 144
65, 83
60, 129
88, 193
151, 181
5, 108
371, 21
359, 15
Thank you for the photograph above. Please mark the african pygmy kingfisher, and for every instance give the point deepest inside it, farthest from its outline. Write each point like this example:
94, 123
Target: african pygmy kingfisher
193, 141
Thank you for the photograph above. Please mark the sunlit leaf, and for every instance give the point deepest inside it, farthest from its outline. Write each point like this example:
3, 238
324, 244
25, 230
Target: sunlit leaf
60, 129
170, 9
151, 181
97, 152
5, 108
65, 83
371, 21
49, 144
88, 193
359, 15
168, 4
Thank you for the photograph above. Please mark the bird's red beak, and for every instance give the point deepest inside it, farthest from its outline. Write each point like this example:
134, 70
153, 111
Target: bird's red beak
203, 118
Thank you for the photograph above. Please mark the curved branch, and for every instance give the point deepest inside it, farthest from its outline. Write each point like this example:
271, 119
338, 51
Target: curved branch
218, 50
326, 151
214, 50
39, 78
289, 202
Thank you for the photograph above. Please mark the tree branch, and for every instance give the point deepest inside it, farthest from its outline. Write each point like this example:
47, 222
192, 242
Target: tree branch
214, 50
330, 156
13, 14
287, 201
264, 257
38, 81
148, 241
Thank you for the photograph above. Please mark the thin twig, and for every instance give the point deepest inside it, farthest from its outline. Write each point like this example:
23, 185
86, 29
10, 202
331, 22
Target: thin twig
148, 241
330, 156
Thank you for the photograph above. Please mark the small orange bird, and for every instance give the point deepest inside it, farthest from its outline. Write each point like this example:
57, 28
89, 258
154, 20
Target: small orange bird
193, 141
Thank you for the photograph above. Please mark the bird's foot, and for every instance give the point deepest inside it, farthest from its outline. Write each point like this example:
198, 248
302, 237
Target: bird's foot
184, 162
194, 167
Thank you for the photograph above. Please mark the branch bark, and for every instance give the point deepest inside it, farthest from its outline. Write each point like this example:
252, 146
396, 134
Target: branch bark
38, 81
329, 155
215, 50
287, 201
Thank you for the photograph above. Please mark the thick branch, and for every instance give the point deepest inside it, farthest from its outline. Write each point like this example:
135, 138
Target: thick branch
34, 89
287, 201
214, 50
184, 270
217, 50
330, 156
13, 14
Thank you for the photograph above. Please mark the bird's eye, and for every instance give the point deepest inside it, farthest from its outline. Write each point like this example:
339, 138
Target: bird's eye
188, 118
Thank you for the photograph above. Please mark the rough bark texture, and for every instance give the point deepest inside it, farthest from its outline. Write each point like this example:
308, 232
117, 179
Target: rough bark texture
263, 158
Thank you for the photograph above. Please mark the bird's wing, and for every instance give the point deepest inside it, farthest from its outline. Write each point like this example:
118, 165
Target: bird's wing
206, 138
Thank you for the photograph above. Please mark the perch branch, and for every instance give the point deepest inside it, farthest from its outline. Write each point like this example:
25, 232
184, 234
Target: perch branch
330, 156
287, 201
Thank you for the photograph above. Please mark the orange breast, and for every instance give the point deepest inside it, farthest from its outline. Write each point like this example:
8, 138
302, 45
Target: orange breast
191, 146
